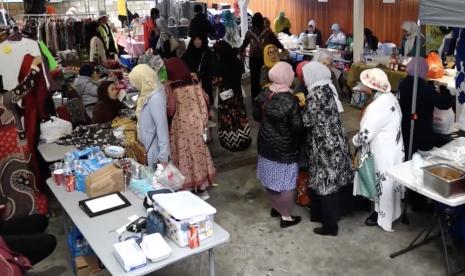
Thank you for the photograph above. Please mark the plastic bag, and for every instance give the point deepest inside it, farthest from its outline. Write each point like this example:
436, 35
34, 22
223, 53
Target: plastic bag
436, 69
169, 176
443, 120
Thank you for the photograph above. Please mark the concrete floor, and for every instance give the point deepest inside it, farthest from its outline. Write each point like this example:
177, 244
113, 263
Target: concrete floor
260, 247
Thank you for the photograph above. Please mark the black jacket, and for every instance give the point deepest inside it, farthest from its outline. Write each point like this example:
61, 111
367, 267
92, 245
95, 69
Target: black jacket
427, 99
200, 26
279, 134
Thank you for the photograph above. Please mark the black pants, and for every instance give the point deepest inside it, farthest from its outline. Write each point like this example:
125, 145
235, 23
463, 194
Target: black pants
325, 209
26, 236
255, 65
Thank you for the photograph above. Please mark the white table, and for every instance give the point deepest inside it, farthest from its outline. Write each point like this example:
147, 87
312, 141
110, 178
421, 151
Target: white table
403, 174
99, 232
54, 152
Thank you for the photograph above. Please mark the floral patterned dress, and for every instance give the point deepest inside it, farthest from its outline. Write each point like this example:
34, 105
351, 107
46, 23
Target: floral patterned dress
380, 129
188, 149
330, 164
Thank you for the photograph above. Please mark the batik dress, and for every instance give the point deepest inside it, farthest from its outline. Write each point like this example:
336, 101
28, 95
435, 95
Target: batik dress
380, 129
330, 164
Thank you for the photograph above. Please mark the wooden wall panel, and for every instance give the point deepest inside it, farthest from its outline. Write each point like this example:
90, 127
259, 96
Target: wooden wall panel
384, 19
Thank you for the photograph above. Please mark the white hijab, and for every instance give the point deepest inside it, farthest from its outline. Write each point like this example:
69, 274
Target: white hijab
315, 75
412, 28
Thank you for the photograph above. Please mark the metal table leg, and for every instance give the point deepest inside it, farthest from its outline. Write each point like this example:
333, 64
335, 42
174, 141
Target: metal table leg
211, 260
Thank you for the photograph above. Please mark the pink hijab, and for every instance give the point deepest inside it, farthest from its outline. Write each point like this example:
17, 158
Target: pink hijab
281, 76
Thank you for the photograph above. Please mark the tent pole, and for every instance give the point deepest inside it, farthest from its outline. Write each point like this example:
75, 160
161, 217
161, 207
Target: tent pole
415, 92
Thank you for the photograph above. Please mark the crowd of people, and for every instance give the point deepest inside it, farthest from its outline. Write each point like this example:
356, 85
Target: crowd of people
298, 108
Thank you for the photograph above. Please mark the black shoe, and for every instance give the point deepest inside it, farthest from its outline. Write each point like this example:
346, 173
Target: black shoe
324, 232
372, 220
274, 213
286, 223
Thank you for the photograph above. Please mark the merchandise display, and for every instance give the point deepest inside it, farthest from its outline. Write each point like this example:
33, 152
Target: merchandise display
138, 133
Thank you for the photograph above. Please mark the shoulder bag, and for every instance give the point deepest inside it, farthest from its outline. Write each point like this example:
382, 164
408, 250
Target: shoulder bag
366, 173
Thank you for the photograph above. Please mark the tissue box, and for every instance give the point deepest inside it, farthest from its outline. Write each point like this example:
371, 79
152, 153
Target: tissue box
104, 181
129, 255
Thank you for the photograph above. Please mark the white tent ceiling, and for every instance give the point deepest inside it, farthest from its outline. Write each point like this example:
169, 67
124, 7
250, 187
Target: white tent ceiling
449, 13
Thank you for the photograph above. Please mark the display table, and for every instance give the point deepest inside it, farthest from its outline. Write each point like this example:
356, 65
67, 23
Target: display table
403, 174
131, 46
99, 232
54, 152
394, 76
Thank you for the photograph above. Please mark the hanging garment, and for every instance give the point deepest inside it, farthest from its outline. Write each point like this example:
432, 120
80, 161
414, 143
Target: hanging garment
12, 53
16, 178
234, 131
380, 128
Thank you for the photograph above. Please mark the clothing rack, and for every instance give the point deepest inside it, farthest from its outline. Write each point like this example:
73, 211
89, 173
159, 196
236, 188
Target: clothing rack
57, 15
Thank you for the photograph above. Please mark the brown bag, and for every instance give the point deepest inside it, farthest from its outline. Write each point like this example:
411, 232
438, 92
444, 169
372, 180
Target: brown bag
303, 197
104, 181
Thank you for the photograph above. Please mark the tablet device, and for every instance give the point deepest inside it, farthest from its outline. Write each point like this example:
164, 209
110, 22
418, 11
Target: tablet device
100, 205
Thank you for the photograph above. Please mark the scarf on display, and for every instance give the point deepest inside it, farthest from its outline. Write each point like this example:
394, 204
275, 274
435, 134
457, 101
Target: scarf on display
412, 28
281, 76
315, 75
146, 80
423, 67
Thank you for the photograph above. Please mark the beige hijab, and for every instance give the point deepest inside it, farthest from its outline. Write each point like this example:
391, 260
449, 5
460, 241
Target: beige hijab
146, 80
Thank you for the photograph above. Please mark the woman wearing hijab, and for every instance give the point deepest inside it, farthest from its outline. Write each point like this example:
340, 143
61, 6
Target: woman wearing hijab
337, 40
151, 114
427, 99
232, 36
188, 149
233, 129
165, 46
97, 52
218, 28
201, 61
279, 144
257, 36
330, 165
312, 30
108, 105
408, 45
325, 57
371, 41
380, 132
282, 24
86, 85
270, 58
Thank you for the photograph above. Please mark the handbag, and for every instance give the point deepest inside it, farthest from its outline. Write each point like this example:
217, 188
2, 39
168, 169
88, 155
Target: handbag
303, 197
12, 263
366, 173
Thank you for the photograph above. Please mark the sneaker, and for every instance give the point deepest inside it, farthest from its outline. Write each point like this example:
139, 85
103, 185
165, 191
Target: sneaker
204, 195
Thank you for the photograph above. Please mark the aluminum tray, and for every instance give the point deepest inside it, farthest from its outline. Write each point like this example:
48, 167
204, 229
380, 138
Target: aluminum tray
444, 179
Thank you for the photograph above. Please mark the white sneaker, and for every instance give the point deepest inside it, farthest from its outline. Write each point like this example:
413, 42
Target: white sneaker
204, 195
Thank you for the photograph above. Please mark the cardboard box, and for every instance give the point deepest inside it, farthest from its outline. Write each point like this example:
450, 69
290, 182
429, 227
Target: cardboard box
89, 266
104, 181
